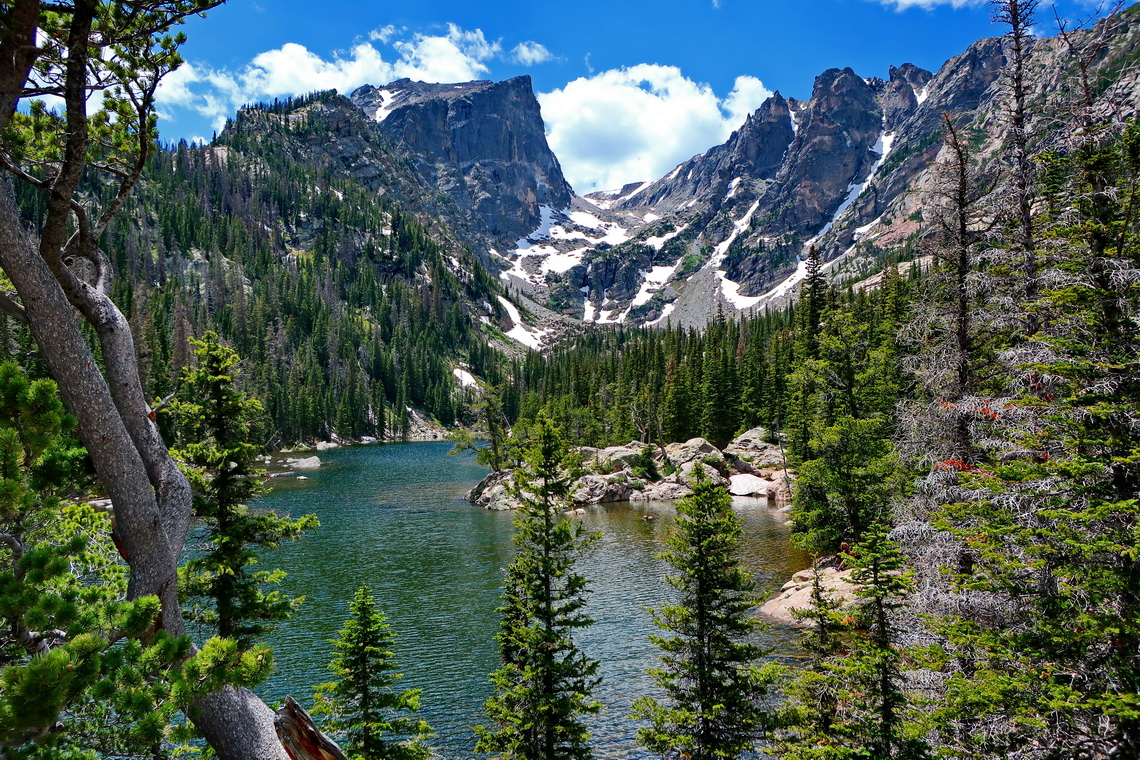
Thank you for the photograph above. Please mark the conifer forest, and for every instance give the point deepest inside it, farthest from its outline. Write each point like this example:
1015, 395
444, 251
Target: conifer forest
953, 429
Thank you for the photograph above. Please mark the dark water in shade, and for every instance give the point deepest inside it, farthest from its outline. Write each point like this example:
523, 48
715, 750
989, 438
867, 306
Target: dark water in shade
393, 516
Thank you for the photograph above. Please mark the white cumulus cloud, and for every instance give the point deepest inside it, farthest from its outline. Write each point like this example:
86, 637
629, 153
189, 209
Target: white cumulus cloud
902, 5
459, 55
530, 54
637, 123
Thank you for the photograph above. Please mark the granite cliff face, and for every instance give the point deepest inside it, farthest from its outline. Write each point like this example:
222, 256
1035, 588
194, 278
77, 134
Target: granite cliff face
482, 144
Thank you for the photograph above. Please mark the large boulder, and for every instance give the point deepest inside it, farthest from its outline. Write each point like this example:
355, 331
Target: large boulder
694, 449
602, 489
618, 457
688, 472
796, 594
762, 456
304, 463
782, 498
589, 454
750, 485
494, 492
669, 489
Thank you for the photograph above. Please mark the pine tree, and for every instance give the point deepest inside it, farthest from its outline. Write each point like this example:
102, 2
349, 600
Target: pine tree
715, 690
543, 688
363, 704
846, 488
853, 702
85, 673
216, 421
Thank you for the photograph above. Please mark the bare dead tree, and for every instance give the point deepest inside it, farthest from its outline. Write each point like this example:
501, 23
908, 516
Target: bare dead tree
950, 324
1019, 16
1085, 50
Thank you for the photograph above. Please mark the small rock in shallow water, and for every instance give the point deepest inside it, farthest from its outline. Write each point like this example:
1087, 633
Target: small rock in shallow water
796, 594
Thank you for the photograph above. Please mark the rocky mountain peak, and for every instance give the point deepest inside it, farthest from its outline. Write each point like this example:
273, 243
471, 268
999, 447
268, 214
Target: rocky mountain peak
482, 144
837, 130
903, 92
912, 75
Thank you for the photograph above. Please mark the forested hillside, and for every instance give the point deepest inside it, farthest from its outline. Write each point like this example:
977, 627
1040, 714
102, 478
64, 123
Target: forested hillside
344, 309
610, 387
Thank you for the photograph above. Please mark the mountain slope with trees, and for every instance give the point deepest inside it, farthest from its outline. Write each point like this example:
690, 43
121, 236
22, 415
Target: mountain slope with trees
345, 309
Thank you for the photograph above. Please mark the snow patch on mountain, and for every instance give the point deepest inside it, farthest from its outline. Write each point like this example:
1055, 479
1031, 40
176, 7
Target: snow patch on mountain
465, 378
855, 189
794, 279
730, 289
652, 282
862, 230
732, 188
542, 232
657, 241
588, 314
664, 315
558, 244
609, 232
562, 262
520, 333
387, 101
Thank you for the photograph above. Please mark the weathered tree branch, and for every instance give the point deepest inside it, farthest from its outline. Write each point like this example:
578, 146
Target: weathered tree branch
300, 735
12, 309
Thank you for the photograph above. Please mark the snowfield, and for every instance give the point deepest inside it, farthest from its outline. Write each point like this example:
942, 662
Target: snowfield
520, 333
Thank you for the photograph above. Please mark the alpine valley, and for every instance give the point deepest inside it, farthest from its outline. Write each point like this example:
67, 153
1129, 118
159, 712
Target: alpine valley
383, 248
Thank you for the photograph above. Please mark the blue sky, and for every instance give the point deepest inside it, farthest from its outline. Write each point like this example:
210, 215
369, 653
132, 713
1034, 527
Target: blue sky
628, 88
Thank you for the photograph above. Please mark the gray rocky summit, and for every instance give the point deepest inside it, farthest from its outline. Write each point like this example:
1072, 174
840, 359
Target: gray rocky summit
482, 144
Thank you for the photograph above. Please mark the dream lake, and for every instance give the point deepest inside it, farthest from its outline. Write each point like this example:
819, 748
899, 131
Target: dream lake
393, 516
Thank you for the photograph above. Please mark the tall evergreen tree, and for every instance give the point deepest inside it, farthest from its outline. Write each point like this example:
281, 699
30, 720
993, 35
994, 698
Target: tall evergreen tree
846, 489
715, 690
544, 685
363, 704
217, 420
853, 702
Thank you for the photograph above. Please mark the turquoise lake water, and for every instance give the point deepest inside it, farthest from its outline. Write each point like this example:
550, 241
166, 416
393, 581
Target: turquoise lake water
393, 516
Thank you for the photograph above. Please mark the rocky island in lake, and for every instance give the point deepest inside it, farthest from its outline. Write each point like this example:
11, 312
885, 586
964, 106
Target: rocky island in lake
641, 472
